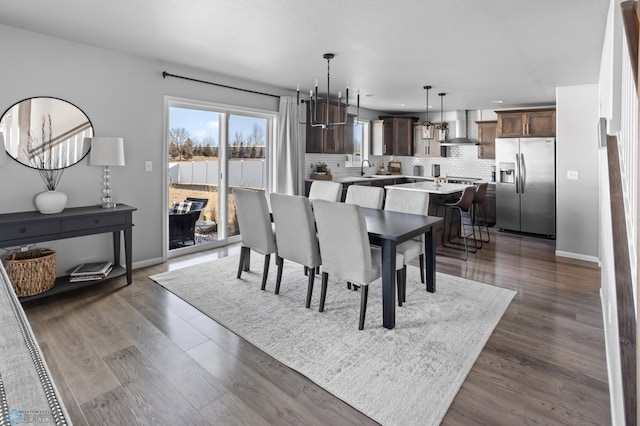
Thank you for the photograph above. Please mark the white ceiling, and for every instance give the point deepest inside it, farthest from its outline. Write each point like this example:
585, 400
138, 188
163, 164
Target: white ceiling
479, 51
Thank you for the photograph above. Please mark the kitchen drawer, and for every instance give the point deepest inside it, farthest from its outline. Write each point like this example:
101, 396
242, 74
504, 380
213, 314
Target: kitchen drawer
28, 230
80, 224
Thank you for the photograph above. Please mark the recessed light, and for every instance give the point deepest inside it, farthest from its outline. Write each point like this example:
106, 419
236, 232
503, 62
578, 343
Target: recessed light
496, 102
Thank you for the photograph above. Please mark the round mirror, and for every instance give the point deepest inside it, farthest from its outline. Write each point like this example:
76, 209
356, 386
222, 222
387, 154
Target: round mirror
46, 133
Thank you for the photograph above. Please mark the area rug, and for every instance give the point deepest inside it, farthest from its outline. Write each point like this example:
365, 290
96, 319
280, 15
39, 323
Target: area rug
405, 376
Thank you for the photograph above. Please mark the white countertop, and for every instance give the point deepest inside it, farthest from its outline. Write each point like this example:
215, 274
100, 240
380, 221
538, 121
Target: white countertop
365, 178
444, 188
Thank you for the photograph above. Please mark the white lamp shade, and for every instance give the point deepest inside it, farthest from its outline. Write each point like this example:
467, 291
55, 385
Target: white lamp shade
106, 151
3, 151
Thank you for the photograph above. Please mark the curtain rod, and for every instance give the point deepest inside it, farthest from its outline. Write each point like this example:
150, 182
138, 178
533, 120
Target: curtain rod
166, 74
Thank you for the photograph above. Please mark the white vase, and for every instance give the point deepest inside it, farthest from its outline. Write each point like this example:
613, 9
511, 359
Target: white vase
49, 202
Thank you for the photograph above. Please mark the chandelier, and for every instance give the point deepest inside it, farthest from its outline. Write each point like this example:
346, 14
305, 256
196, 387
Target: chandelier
315, 100
427, 126
442, 130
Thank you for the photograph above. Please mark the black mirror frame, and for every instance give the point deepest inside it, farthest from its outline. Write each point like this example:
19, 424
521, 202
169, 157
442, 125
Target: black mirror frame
85, 153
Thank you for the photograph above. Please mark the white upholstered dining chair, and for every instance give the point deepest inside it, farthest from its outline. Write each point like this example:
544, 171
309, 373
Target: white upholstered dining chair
345, 249
325, 190
414, 202
295, 236
256, 229
365, 196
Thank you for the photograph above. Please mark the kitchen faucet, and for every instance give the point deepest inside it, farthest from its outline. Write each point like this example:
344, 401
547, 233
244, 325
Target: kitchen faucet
362, 166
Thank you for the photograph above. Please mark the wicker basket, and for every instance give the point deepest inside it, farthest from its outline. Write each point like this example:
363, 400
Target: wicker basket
31, 272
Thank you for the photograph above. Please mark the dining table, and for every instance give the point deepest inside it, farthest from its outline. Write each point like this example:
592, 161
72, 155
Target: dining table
387, 229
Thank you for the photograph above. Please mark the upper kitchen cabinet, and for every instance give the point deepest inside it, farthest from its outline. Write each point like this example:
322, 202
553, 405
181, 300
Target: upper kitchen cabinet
425, 147
526, 123
392, 136
331, 140
487, 139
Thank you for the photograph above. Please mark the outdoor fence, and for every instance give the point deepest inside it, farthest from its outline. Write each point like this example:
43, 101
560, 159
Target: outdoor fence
242, 172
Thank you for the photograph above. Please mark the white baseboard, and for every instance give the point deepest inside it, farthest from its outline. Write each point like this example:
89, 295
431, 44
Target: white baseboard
578, 256
147, 262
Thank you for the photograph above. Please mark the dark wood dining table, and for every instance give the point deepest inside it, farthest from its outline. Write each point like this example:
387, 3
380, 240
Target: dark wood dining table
387, 229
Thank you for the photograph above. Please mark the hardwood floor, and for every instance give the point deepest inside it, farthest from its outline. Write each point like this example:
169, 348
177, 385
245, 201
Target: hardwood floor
140, 355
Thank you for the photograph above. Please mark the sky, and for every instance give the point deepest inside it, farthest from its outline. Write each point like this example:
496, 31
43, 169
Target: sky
202, 124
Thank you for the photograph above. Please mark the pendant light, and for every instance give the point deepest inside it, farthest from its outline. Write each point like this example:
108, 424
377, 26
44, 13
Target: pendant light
427, 126
443, 131
314, 101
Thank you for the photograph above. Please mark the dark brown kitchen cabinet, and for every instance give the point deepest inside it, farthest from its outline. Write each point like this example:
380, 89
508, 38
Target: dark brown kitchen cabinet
425, 147
330, 140
395, 137
526, 123
487, 139
490, 204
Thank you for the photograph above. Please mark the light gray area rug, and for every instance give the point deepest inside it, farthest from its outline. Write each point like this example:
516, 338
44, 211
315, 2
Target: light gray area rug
405, 376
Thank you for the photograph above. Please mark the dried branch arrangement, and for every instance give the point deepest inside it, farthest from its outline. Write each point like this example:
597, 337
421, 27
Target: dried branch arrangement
43, 158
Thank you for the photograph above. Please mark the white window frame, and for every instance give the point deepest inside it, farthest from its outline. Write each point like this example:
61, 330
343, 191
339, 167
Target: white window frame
224, 110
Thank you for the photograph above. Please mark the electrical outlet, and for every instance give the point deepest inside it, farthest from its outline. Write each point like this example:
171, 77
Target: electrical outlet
572, 174
23, 249
148, 166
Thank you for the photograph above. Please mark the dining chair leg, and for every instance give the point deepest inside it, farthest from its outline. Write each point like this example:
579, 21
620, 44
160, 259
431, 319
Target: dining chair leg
310, 290
323, 291
280, 264
363, 305
265, 271
243, 252
348, 285
404, 283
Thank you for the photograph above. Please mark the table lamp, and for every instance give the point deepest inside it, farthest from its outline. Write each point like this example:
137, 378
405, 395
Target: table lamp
106, 151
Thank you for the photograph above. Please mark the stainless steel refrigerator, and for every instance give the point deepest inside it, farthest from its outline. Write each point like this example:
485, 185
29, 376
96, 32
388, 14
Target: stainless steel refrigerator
526, 185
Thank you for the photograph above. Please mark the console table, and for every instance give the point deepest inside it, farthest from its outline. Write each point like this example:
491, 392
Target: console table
19, 229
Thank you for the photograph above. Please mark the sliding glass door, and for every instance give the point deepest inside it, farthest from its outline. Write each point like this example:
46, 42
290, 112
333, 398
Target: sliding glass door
211, 150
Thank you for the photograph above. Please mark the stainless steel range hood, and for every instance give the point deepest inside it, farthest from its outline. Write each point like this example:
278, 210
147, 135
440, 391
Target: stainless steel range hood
460, 132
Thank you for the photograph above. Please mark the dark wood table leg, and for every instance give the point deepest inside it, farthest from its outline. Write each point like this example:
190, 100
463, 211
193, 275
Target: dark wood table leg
116, 248
430, 259
128, 253
388, 284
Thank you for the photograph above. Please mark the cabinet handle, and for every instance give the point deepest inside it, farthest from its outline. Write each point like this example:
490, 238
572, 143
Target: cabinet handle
97, 221
23, 230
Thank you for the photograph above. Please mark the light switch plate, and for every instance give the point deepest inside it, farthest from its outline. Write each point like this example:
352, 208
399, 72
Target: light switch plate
148, 166
572, 174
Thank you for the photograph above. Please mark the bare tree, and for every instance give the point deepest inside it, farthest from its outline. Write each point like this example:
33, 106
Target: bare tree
178, 136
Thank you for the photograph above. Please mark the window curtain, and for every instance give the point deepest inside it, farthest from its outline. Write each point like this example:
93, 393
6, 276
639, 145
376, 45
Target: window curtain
289, 150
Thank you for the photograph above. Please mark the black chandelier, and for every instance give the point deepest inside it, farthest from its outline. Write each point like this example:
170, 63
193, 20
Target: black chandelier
313, 102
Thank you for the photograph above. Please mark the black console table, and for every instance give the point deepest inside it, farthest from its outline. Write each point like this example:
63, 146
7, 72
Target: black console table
19, 229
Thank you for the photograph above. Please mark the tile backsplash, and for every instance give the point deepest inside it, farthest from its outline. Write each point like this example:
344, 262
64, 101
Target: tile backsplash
460, 161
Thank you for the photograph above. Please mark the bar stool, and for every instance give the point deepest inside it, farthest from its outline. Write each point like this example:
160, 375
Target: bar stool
478, 201
462, 205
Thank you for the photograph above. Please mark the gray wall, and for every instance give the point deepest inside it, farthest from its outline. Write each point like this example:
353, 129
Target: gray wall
577, 150
123, 96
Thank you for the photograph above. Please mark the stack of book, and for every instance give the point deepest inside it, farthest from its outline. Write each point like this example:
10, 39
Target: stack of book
90, 271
